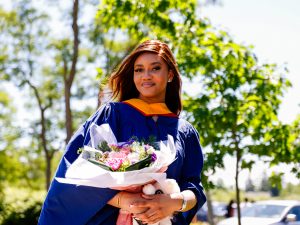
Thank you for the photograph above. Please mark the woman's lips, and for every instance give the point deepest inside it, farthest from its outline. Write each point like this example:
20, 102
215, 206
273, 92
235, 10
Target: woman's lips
147, 84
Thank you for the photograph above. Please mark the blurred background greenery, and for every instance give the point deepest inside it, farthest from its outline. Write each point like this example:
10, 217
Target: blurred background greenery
55, 56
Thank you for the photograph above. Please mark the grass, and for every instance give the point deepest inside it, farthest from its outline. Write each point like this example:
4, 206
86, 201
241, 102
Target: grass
222, 195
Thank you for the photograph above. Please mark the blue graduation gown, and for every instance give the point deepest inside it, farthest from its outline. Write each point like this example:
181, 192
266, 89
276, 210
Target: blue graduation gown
77, 205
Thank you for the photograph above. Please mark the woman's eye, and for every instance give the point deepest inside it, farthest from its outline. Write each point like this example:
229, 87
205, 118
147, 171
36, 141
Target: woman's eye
156, 68
138, 70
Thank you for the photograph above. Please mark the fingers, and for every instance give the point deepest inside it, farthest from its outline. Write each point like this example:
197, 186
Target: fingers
150, 217
139, 205
149, 197
153, 220
146, 214
145, 203
155, 212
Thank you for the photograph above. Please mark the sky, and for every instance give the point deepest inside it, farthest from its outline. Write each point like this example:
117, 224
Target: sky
273, 28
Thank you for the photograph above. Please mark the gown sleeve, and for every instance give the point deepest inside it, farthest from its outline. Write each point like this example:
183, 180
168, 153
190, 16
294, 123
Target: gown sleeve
72, 204
191, 171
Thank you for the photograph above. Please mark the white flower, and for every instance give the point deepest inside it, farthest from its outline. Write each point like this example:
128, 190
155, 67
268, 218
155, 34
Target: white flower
150, 150
133, 157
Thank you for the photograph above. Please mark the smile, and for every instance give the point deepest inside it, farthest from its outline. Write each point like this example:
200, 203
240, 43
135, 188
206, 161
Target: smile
147, 84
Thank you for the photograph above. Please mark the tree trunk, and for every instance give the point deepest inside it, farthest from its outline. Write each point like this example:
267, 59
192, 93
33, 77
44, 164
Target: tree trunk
48, 155
210, 216
69, 80
44, 144
48, 172
237, 171
69, 119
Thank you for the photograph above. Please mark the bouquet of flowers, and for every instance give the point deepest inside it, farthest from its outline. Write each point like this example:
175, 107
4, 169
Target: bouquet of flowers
127, 156
105, 163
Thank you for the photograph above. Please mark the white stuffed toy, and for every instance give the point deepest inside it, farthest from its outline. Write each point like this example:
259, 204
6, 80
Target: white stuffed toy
168, 186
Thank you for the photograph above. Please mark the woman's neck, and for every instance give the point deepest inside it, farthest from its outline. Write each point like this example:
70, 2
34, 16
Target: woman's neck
151, 100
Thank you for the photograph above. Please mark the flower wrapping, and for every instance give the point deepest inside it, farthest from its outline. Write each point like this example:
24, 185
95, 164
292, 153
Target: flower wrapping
86, 172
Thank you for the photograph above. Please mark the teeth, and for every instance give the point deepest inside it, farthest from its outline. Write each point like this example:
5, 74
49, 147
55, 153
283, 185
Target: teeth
147, 84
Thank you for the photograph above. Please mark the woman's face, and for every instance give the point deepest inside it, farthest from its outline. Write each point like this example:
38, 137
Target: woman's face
151, 75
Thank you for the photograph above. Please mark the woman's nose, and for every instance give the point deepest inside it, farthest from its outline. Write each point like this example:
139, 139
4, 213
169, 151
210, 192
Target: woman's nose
147, 74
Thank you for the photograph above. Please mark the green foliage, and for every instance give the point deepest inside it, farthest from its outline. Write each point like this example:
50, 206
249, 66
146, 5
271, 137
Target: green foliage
236, 109
27, 39
294, 142
35, 61
21, 206
8, 137
103, 146
28, 216
276, 183
291, 191
284, 145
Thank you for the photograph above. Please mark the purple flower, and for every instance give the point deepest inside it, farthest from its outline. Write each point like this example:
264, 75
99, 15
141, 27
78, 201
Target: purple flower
127, 143
153, 157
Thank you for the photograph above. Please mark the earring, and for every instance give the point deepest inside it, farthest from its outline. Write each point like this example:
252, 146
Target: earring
170, 80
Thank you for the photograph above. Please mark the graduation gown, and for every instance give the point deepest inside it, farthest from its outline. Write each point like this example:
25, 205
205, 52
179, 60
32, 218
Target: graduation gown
77, 205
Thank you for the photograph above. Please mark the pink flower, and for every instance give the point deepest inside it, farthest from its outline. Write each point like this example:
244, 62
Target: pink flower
117, 155
114, 163
126, 150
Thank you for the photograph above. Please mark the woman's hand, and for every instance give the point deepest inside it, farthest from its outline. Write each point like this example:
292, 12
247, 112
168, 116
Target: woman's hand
128, 198
157, 207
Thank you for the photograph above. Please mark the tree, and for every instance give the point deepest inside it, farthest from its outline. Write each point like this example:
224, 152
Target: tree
39, 64
288, 135
276, 183
69, 74
264, 184
7, 138
113, 52
72, 56
295, 145
241, 100
27, 40
249, 185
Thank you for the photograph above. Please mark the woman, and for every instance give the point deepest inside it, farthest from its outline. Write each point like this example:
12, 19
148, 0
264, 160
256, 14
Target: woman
147, 85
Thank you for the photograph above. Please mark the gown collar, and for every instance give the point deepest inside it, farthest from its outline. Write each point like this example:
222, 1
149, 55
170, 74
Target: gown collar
153, 109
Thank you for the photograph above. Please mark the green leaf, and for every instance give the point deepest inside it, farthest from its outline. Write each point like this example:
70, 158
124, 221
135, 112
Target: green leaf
140, 164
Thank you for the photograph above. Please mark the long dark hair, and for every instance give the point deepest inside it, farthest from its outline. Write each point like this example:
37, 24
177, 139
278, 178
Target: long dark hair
122, 84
